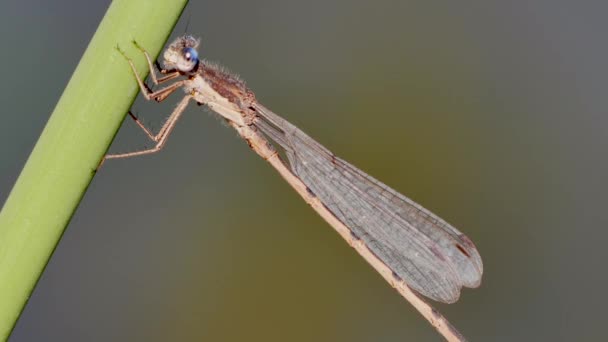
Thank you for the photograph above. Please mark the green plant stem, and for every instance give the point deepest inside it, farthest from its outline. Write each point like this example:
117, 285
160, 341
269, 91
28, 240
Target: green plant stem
77, 135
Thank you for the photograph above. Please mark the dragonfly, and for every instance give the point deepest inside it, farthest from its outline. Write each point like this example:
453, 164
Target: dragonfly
408, 245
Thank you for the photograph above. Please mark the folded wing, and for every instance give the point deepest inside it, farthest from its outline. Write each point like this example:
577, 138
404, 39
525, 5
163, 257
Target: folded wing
430, 255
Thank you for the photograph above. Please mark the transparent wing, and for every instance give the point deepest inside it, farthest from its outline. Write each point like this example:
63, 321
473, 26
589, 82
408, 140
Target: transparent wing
430, 255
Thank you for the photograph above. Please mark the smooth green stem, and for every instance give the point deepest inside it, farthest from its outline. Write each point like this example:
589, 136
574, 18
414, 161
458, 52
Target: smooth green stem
77, 135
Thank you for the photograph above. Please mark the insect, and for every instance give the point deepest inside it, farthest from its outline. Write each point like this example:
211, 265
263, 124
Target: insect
410, 246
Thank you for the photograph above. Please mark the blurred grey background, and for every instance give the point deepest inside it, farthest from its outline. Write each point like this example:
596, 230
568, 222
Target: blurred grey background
490, 113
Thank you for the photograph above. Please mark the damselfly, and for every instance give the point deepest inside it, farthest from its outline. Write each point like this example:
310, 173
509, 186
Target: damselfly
409, 245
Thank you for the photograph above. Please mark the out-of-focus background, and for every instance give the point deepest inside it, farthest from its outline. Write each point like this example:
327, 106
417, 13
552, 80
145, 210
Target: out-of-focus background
491, 114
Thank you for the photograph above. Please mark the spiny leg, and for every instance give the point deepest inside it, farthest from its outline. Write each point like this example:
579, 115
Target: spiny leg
148, 132
160, 138
158, 95
161, 94
170, 73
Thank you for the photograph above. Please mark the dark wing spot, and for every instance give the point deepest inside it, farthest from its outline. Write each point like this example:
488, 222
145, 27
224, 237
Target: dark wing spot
462, 250
309, 190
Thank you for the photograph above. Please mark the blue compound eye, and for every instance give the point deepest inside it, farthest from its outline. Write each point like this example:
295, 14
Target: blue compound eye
190, 54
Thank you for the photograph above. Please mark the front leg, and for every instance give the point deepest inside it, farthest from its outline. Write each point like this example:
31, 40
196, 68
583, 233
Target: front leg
158, 95
170, 73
